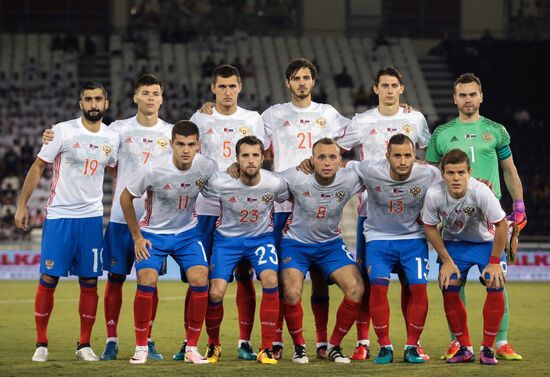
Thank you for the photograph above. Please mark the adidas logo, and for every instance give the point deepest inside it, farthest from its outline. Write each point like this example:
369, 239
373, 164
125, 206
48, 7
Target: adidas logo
129, 140
167, 186
111, 322
232, 200
286, 123
307, 194
372, 132
76, 146
210, 131
454, 139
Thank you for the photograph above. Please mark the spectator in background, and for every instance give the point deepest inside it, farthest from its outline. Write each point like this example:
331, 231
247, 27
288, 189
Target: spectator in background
343, 79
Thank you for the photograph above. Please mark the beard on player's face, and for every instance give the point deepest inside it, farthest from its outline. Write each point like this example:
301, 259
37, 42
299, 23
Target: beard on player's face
93, 115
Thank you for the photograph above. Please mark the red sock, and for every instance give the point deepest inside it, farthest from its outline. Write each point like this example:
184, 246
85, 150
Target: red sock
186, 309
294, 316
43, 306
246, 306
112, 302
280, 322
143, 307
213, 320
345, 318
417, 312
380, 312
363, 318
405, 297
319, 306
87, 309
269, 311
456, 315
153, 312
197, 311
493, 310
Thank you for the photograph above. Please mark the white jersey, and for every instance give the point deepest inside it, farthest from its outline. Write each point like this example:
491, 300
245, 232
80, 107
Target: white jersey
394, 206
170, 193
470, 218
79, 157
317, 209
372, 132
246, 210
219, 135
292, 131
138, 145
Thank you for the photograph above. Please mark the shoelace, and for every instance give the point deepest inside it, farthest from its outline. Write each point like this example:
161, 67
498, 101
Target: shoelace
300, 351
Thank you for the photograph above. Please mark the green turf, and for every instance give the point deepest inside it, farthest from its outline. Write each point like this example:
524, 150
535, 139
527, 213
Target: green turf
529, 334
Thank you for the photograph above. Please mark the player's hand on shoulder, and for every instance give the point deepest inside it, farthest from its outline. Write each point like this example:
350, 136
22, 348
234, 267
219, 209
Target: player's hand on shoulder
140, 248
407, 108
22, 218
420, 162
47, 135
207, 108
234, 170
306, 166
446, 274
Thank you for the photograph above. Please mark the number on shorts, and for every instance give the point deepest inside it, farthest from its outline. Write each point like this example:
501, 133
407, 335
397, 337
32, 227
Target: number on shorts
422, 272
203, 252
260, 253
348, 253
95, 251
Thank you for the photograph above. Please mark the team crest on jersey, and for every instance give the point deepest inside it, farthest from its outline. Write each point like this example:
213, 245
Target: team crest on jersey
162, 142
321, 122
340, 195
49, 264
107, 150
407, 129
487, 137
200, 182
113, 261
267, 198
469, 211
286, 260
244, 130
415, 191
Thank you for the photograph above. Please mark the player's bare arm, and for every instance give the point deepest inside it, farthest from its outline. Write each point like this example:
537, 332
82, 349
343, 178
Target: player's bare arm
448, 266
140, 243
31, 181
494, 268
513, 184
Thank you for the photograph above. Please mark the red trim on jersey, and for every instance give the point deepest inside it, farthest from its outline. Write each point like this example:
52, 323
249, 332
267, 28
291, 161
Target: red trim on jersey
289, 220
490, 227
56, 166
219, 220
148, 209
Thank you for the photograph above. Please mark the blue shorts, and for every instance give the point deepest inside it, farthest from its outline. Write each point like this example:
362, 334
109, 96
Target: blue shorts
468, 254
72, 246
118, 250
328, 256
383, 256
206, 227
260, 251
279, 222
185, 247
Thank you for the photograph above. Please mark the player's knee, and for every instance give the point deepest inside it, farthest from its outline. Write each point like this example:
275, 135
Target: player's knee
293, 293
197, 276
215, 294
269, 279
148, 278
355, 290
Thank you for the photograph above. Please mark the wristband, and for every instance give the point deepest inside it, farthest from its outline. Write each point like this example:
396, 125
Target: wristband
494, 260
518, 206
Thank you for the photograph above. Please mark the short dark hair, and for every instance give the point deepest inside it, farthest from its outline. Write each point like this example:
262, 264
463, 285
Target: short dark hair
399, 139
249, 140
455, 156
91, 85
324, 141
467, 78
185, 128
388, 71
225, 71
296, 64
148, 79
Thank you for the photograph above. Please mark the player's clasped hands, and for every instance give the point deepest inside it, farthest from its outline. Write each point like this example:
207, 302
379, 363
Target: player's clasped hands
448, 269
493, 275
140, 248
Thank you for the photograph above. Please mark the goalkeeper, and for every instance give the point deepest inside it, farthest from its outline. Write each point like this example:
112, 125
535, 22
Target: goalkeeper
487, 145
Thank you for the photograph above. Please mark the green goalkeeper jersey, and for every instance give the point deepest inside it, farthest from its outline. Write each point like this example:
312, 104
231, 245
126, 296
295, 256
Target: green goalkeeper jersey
486, 143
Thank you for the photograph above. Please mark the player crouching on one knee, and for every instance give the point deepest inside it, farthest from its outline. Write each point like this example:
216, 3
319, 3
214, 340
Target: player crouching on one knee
474, 233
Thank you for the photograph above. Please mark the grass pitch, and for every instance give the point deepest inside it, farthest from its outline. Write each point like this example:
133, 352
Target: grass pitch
529, 334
